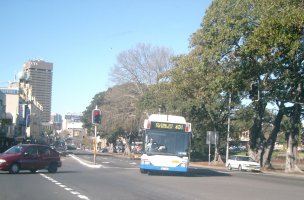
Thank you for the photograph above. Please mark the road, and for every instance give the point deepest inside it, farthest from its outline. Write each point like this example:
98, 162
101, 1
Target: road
119, 178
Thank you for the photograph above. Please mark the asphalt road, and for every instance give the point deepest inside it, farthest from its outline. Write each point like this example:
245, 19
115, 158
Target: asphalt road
119, 178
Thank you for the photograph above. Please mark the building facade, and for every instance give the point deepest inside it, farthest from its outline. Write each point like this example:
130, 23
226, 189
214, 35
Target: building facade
72, 128
10, 111
56, 120
40, 76
9, 101
30, 110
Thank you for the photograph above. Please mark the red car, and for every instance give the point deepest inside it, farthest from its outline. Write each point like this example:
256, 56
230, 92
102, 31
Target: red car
30, 157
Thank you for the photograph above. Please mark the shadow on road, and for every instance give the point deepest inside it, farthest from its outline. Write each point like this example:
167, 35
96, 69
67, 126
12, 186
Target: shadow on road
192, 172
38, 172
200, 172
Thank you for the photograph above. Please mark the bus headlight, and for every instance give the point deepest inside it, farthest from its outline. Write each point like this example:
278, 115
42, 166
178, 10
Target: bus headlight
183, 164
145, 162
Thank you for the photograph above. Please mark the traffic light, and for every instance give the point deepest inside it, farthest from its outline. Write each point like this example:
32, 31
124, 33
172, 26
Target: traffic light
96, 116
254, 93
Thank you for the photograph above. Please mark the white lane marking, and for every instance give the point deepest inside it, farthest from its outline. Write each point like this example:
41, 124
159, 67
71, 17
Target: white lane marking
84, 163
73, 192
83, 197
64, 186
101, 166
80, 196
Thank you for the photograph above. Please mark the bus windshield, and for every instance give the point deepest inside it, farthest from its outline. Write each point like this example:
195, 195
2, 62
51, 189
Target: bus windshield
167, 142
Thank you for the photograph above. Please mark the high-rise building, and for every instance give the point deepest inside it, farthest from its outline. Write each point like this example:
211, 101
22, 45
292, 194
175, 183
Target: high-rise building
40, 76
56, 119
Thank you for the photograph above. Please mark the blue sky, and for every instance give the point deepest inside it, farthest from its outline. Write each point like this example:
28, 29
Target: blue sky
83, 37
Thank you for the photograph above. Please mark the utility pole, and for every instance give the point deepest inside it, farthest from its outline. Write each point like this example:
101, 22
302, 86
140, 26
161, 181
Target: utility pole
228, 129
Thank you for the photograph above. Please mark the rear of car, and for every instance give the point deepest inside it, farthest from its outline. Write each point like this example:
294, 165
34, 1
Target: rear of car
31, 157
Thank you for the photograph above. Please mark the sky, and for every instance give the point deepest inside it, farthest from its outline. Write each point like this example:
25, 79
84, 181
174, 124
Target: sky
82, 38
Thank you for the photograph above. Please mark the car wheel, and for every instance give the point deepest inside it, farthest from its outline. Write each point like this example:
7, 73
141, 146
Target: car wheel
229, 167
240, 168
15, 168
52, 168
143, 171
33, 170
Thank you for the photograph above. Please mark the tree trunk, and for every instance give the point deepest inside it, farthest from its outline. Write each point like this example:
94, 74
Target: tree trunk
270, 143
291, 155
256, 136
217, 157
292, 139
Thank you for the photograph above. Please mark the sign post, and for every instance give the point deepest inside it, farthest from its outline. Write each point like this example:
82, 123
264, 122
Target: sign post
212, 138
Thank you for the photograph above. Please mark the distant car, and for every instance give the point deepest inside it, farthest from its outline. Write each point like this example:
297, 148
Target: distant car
243, 163
71, 147
103, 150
30, 157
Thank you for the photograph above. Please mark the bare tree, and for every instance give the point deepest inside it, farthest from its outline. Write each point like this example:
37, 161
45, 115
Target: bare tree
141, 66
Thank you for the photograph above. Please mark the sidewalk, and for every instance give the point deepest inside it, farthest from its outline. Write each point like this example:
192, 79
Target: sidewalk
206, 164
222, 167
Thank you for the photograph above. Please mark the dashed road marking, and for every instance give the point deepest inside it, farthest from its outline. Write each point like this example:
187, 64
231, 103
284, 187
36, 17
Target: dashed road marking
73, 192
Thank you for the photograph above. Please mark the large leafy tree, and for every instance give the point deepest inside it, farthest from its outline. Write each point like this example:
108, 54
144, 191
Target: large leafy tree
257, 41
278, 47
201, 96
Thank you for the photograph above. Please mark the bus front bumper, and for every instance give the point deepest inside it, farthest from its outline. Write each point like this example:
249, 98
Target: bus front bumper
163, 168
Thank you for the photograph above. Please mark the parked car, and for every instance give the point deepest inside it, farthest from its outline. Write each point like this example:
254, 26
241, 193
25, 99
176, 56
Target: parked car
243, 163
31, 157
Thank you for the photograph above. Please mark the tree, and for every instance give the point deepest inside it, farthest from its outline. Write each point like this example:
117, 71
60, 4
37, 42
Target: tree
119, 113
86, 119
141, 66
200, 96
277, 45
255, 41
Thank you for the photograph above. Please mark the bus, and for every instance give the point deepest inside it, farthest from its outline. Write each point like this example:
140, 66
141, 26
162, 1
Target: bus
166, 144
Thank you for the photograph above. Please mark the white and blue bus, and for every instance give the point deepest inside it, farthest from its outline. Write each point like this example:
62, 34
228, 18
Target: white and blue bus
166, 145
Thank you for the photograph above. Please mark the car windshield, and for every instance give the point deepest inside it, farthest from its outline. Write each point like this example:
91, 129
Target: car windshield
14, 150
245, 159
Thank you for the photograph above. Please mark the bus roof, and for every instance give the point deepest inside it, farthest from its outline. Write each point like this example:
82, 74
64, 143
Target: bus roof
167, 118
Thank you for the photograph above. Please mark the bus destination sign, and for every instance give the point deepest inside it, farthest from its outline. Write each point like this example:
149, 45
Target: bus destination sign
167, 126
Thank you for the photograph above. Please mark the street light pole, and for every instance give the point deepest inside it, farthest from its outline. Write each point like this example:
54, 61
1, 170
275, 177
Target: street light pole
228, 129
